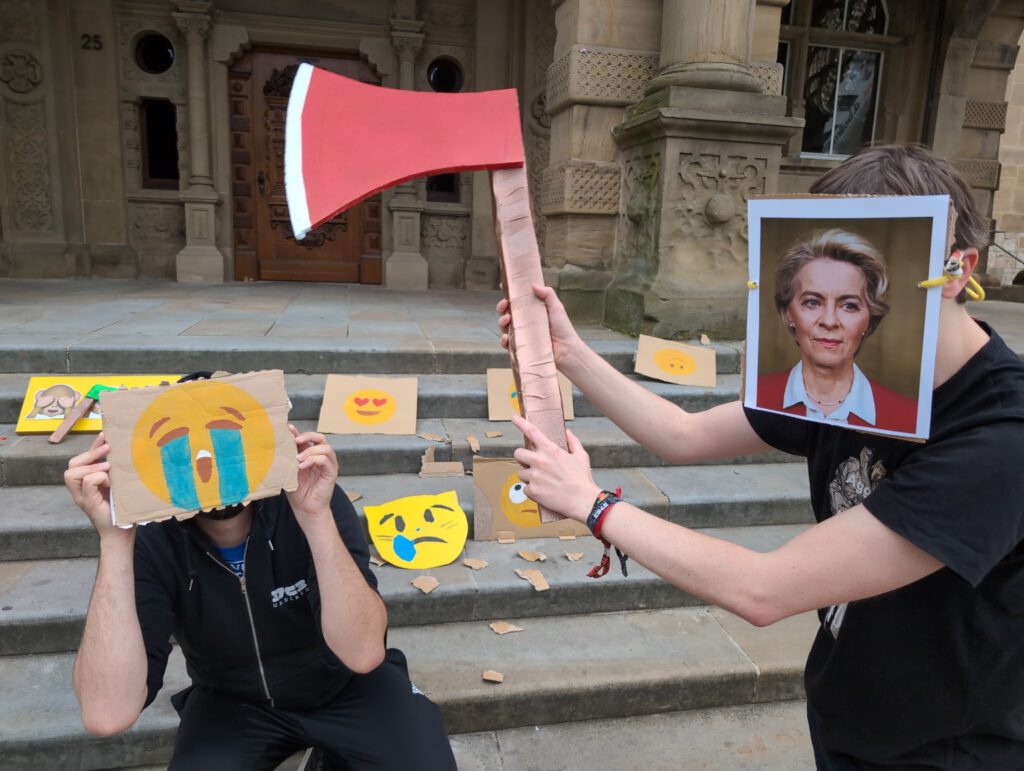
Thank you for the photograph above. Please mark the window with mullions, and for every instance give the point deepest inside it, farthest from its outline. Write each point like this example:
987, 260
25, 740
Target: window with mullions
833, 52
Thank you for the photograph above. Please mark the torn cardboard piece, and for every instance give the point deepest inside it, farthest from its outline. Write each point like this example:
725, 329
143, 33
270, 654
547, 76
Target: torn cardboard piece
503, 395
504, 627
431, 437
503, 512
674, 362
363, 404
574, 556
376, 560
201, 445
533, 556
493, 677
473, 442
492, 434
426, 584
353, 497
535, 577
474, 563
433, 468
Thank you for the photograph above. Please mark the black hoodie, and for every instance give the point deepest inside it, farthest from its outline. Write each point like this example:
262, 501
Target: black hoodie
257, 639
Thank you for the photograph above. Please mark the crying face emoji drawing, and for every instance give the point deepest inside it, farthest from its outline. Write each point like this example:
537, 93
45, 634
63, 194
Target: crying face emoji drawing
203, 445
419, 531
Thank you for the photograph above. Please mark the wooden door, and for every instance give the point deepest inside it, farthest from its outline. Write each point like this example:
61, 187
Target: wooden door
345, 248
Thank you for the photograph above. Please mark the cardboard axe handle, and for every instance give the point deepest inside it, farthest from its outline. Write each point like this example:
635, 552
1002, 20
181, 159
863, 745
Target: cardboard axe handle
529, 348
80, 410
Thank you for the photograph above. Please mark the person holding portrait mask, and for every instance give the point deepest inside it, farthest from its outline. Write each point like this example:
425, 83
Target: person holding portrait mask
830, 291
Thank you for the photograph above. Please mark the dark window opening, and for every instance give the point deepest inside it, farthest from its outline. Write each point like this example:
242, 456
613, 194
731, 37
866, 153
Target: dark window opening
158, 130
443, 188
445, 76
154, 53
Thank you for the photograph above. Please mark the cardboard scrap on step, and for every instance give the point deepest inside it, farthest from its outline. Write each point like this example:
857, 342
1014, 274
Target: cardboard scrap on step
474, 563
434, 468
493, 677
503, 512
205, 444
533, 556
535, 577
504, 627
674, 362
426, 584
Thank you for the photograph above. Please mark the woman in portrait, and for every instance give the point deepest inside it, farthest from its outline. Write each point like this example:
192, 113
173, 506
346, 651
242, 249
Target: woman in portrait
830, 292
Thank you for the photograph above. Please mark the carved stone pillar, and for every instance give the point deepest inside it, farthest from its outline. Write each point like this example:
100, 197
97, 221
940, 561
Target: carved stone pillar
406, 267
693, 151
200, 260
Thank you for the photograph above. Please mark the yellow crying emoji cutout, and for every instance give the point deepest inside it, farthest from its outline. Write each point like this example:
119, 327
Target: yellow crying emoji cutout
419, 531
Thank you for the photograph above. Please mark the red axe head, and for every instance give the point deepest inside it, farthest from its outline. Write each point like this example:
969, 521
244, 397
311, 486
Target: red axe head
345, 140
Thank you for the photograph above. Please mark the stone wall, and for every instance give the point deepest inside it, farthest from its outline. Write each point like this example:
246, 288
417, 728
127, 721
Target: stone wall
1008, 205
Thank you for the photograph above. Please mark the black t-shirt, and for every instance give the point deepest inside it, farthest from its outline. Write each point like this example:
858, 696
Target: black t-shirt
930, 675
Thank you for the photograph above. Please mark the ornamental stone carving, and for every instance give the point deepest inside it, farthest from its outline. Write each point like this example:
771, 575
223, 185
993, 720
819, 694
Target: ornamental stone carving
769, 75
447, 17
581, 187
444, 235
407, 45
599, 76
985, 115
19, 21
710, 201
403, 9
998, 56
20, 72
28, 166
194, 25
162, 223
641, 174
982, 173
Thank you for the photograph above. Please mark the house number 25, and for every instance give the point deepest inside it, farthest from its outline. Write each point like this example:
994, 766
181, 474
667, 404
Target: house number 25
92, 43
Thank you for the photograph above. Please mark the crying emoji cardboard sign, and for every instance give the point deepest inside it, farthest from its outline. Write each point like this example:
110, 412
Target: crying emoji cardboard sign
419, 531
179, 449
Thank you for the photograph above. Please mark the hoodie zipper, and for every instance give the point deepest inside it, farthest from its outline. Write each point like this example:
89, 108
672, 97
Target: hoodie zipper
252, 623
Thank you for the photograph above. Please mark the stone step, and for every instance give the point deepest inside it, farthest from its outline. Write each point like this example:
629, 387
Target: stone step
31, 460
412, 354
41, 522
440, 396
583, 667
43, 602
752, 737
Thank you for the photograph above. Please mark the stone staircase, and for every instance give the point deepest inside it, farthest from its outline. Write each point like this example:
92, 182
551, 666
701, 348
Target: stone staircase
615, 673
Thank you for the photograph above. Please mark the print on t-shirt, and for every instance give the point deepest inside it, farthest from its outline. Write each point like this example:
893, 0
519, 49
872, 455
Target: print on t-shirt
854, 480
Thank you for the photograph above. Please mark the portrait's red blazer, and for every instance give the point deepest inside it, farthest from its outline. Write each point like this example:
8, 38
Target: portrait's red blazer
893, 411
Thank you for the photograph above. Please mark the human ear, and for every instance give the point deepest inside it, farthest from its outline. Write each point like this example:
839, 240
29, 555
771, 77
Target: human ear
968, 262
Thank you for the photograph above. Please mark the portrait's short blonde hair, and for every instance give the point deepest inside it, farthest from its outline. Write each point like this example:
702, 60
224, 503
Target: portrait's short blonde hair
841, 246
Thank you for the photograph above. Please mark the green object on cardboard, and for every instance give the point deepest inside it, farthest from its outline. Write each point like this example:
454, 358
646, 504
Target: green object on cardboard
96, 390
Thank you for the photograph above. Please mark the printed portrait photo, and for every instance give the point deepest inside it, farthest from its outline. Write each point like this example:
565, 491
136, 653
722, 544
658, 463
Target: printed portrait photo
838, 331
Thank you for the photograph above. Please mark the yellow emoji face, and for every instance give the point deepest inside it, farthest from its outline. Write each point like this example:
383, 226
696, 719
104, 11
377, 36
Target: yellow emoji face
516, 506
674, 362
370, 407
419, 531
203, 445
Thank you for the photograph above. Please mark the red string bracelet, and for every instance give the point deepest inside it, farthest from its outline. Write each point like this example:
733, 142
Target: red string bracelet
604, 503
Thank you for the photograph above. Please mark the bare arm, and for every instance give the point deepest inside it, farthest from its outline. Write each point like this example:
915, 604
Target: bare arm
659, 425
111, 666
352, 615
848, 557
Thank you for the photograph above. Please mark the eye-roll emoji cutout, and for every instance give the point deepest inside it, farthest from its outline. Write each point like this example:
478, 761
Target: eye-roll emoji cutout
503, 397
675, 362
365, 404
370, 406
520, 509
419, 531
203, 445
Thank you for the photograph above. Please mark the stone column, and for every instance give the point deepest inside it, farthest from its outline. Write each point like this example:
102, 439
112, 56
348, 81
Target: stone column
693, 151
406, 267
604, 53
200, 260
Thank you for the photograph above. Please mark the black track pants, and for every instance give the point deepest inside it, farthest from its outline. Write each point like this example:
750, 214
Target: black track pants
377, 722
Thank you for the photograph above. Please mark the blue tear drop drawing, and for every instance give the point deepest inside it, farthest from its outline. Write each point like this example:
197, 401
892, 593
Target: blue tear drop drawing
404, 548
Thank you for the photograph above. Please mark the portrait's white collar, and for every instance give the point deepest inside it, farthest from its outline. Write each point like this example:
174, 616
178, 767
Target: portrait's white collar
860, 401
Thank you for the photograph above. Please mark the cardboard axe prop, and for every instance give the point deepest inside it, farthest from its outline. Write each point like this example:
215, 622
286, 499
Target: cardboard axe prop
346, 140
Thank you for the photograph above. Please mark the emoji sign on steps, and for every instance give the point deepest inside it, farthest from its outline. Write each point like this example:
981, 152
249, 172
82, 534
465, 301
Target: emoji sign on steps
520, 509
419, 531
368, 404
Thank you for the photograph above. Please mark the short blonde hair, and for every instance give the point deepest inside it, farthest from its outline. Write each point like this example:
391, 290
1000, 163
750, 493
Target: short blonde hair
841, 246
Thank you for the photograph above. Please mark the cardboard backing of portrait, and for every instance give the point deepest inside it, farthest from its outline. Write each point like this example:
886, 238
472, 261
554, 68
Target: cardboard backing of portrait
503, 512
179, 449
838, 330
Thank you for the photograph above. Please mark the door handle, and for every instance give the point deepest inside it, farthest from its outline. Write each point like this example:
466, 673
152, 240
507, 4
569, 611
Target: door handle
260, 180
